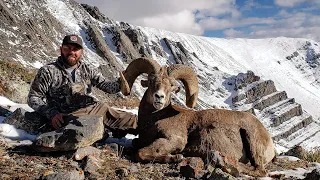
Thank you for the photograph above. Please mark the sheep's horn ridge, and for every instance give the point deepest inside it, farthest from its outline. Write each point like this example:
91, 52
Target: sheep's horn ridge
134, 69
189, 79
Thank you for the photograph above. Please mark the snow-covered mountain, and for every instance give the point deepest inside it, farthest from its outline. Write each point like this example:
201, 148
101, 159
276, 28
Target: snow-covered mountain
276, 78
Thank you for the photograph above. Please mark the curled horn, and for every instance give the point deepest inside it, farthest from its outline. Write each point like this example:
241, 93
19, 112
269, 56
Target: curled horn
189, 79
134, 69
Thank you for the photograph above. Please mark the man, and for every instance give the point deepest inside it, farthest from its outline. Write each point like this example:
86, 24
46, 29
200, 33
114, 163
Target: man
61, 90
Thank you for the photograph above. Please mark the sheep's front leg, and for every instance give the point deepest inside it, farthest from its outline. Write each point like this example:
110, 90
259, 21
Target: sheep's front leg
160, 150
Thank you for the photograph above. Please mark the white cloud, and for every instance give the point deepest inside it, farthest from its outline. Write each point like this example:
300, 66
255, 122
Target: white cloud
283, 13
288, 3
220, 24
122, 10
220, 7
292, 3
299, 32
233, 33
183, 21
251, 4
296, 25
216, 24
196, 17
177, 16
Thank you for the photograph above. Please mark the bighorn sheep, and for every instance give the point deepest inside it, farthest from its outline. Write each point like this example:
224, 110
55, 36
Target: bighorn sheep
166, 130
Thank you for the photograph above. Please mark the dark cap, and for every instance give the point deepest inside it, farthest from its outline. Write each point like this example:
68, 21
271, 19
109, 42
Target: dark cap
72, 39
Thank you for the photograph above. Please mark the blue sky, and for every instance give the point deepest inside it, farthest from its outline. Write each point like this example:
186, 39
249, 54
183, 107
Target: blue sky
220, 18
280, 12
258, 9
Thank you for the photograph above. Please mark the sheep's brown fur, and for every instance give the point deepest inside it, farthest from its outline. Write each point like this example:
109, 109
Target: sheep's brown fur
166, 130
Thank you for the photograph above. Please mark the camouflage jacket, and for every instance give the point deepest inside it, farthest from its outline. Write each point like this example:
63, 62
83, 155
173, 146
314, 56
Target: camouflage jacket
53, 89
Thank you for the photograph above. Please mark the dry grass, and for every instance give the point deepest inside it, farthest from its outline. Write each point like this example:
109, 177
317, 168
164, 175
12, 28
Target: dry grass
3, 146
312, 156
15, 71
285, 164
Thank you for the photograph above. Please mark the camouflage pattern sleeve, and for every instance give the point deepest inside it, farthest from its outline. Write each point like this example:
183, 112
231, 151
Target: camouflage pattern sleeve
100, 82
37, 94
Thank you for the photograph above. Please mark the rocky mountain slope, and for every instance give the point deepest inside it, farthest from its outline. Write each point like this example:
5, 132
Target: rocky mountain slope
281, 87
284, 118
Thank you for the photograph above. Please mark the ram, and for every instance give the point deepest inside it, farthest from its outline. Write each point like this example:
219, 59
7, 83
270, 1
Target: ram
167, 131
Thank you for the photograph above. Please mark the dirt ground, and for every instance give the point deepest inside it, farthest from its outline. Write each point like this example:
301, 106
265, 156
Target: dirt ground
23, 163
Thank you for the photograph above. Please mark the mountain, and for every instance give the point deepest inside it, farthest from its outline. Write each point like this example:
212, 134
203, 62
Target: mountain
277, 79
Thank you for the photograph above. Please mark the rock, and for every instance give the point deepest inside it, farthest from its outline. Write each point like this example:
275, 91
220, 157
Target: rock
270, 100
275, 106
254, 88
217, 159
92, 165
218, 174
136, 38
191, 167
296, 151
225, 163
111, 149
75, 164
81, 132
95, 12
6, 15
4, 111
122, 172
124, 44
157, 49
68, 175
114, 147
86, 151
27, 30
260, 89
277, 176
288, 114
243, 79
102, 48
31, 122
315, 174
180, 54
133, 168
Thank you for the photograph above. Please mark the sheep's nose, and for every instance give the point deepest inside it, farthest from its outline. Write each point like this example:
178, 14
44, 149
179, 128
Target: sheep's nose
159, 96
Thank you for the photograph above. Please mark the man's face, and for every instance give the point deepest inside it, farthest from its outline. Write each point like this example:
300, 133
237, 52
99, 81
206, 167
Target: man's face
71, 54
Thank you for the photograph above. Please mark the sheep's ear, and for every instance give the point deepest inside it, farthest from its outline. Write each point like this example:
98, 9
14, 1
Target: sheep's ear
144, 83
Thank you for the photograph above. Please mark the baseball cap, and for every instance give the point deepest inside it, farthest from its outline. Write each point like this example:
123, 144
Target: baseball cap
72, 39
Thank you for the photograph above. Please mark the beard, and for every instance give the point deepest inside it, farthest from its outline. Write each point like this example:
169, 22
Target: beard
70, 60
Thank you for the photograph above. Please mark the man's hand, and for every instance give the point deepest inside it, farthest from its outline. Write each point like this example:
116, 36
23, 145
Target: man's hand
57, 121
